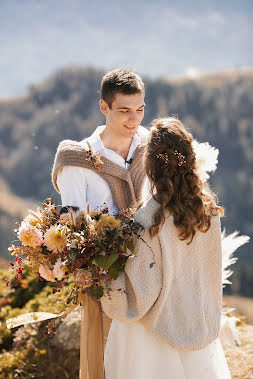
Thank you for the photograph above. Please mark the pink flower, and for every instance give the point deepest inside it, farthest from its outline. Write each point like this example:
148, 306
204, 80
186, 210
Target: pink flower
54, 240
56, 273
46, 273
29, 235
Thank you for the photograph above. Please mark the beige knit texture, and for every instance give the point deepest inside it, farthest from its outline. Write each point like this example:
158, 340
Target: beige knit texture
125, 185
179, 299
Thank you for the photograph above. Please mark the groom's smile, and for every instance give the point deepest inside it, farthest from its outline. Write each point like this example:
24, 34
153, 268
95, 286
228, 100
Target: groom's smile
130, 127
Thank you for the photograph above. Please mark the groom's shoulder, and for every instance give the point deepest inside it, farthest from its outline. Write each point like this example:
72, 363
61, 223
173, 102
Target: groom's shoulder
71, 145
69, 153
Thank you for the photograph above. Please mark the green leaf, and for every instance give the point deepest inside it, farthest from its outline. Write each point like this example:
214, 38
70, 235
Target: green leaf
100, 260
96, 291
123, 263
110, 260
115, 269
129, 245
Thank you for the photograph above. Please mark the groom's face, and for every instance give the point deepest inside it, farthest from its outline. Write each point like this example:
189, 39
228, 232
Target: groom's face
125, 115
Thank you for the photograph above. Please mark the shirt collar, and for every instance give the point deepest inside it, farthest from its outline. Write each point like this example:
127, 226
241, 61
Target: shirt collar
97, 144
95, 140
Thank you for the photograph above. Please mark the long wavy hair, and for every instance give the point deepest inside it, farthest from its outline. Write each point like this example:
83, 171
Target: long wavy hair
170, 164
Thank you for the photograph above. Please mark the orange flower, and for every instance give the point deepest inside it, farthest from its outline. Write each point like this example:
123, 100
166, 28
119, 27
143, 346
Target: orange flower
24, 283
42, 352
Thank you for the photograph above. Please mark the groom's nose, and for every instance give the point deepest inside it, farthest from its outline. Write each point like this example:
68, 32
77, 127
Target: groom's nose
133, 118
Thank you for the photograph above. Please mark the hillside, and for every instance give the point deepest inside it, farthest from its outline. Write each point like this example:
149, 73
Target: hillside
217, 108
12, 209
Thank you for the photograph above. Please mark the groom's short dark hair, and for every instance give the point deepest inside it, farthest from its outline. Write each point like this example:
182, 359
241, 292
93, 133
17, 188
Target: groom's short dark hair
120, 80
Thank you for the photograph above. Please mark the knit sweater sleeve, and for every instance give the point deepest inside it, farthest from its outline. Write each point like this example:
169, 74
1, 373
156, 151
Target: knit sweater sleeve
137, 288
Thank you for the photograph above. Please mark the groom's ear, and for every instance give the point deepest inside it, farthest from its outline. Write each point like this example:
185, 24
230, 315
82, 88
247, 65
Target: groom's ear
103, 107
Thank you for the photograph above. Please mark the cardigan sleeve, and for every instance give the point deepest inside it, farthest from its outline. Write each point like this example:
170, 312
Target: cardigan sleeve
137, 288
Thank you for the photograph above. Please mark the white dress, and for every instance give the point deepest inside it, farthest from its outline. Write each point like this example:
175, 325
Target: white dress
131, 351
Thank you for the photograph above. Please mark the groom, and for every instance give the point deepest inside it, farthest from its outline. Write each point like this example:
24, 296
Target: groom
118, 182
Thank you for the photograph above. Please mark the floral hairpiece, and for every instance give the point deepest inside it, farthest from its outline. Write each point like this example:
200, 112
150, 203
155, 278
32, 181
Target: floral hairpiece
180, 158
164, 157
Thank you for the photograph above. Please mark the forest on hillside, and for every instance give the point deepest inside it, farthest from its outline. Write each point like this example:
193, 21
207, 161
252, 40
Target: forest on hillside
217, 108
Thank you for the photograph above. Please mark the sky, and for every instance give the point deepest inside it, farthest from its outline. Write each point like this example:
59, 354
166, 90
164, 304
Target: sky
158, 38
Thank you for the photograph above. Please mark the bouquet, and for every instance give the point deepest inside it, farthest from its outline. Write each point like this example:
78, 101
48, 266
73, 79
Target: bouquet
89, 248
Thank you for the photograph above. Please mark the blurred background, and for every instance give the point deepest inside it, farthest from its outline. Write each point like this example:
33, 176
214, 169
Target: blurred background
196, 60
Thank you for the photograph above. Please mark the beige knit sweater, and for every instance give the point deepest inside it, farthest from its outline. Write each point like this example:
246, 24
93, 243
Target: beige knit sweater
179, 299
125, 185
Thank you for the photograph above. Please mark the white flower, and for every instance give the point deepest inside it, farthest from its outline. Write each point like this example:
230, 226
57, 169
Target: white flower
57, 270
54, 240
206, 159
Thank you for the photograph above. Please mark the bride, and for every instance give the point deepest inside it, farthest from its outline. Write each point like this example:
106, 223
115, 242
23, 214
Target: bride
166, 305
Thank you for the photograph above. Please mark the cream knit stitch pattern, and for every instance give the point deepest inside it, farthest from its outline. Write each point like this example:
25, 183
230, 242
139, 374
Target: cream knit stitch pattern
125, 185
179, 299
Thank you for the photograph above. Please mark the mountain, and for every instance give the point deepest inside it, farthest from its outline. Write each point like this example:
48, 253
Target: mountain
217, 108
187, 36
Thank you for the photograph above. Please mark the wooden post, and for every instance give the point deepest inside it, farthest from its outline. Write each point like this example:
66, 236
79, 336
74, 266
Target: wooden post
91, 339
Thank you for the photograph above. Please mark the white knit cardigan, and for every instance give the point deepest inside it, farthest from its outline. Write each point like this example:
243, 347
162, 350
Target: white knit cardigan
179, 298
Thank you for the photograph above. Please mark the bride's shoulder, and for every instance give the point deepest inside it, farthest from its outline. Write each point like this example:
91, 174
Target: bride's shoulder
144, 215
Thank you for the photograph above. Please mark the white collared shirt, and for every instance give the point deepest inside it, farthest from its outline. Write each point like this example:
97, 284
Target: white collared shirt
80, 186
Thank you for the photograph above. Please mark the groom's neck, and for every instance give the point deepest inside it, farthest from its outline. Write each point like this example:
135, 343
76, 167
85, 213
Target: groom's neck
116, 142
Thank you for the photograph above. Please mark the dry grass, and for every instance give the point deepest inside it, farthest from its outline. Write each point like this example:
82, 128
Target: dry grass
243, 306
240, 358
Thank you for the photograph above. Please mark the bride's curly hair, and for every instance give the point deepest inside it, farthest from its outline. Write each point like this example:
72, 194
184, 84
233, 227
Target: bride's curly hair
170, 164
